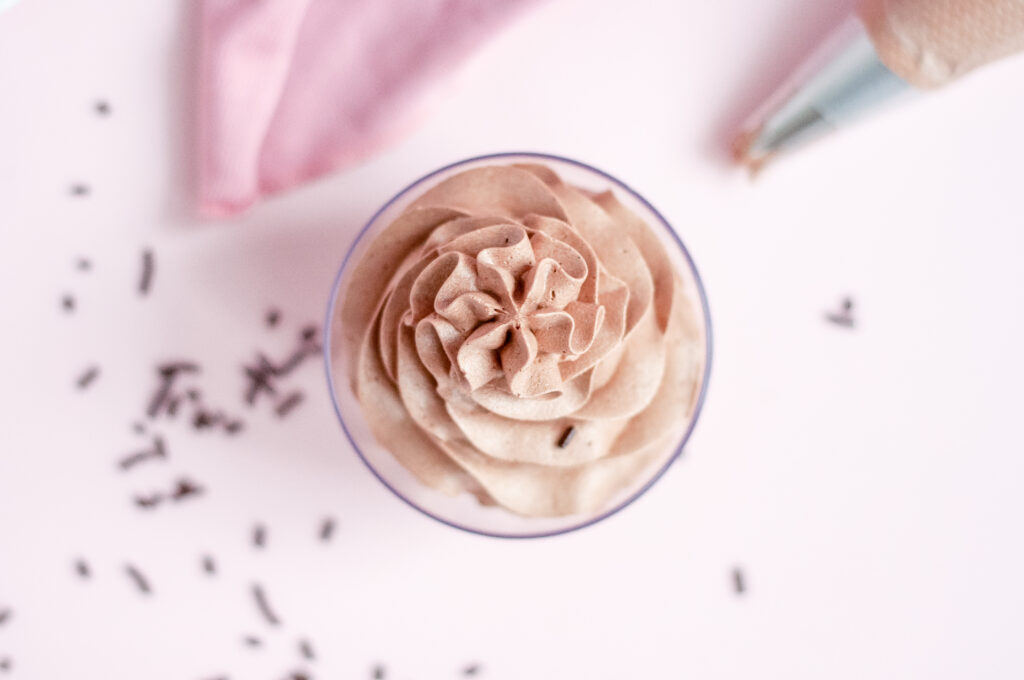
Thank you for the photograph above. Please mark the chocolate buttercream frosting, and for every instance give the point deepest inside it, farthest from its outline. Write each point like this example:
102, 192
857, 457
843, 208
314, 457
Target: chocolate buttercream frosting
504, 307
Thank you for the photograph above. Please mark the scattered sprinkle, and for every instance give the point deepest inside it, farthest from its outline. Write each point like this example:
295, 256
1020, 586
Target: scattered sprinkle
184, 488
159, 450
289, 403
252, 641
379, 672
273, 317
5, 616
79, 189
306, 650
209, 566
566, 437
844, 317
259, 381
193, 394
148, 266
83, 264
140, 581
309, 332
82, 569
147, 502
203, 419
172, 406
138, 427
88, 377
233, 426
68, 303
102, 108
264, 606
298, 675
738, 582
259, 535
5, 664
326, 529
471, 669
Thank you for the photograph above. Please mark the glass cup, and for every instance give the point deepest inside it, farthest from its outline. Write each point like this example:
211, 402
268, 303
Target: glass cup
463, 511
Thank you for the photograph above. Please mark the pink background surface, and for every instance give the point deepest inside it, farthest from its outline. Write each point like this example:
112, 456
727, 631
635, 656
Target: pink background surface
867, 482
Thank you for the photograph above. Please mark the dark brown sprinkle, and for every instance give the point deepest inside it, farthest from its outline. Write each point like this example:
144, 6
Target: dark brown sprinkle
471, 669
289, 403
273, 317
264, 606
68, 303
159, 450
252, 641
5, 616
138, 427
5, 664
566, 437
147, 502
326, 529
738, 582
102, 108
137, 577
258, 382
82, 569
843, 319
185, 488
88, 377
193, 394
306, 650
172, 406
379, 672
204, 419
298, 675
309, 332
148, 267
83, 264
233, 426
209, 566
169, 369
259, 535
79, 189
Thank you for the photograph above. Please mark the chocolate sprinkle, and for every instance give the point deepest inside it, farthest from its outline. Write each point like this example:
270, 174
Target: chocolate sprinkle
264, 606
306, 650
843, 317
172, 406
5, 616
471, 669
252, 641
83, 264
209, 566
259, 535
192, 394
5, 664
258, 382
309, 332
738, 582
186, 488
204, 419
68, 303
273, 317
82, 569
298, 675
102, 108
148, 267
233, 426
289, 403
79, 189
566, 437
327, 529
140, 581
379, 672
149, 501
88, 377
159, 450
138, 427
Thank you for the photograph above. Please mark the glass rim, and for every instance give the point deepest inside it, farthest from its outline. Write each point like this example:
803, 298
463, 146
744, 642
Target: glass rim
708, 345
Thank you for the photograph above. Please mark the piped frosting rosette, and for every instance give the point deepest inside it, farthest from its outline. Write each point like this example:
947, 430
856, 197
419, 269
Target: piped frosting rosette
504, 307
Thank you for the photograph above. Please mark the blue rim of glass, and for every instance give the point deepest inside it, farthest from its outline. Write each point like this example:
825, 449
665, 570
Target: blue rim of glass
707, 342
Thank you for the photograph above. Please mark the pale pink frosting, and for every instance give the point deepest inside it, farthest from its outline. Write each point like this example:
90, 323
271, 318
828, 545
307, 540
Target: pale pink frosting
501, 308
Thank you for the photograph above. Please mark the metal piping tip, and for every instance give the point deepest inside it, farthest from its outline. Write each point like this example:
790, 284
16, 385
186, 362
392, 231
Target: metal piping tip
843, 80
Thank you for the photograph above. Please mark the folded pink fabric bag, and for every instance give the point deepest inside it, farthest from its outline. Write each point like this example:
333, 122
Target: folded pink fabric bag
292, 89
